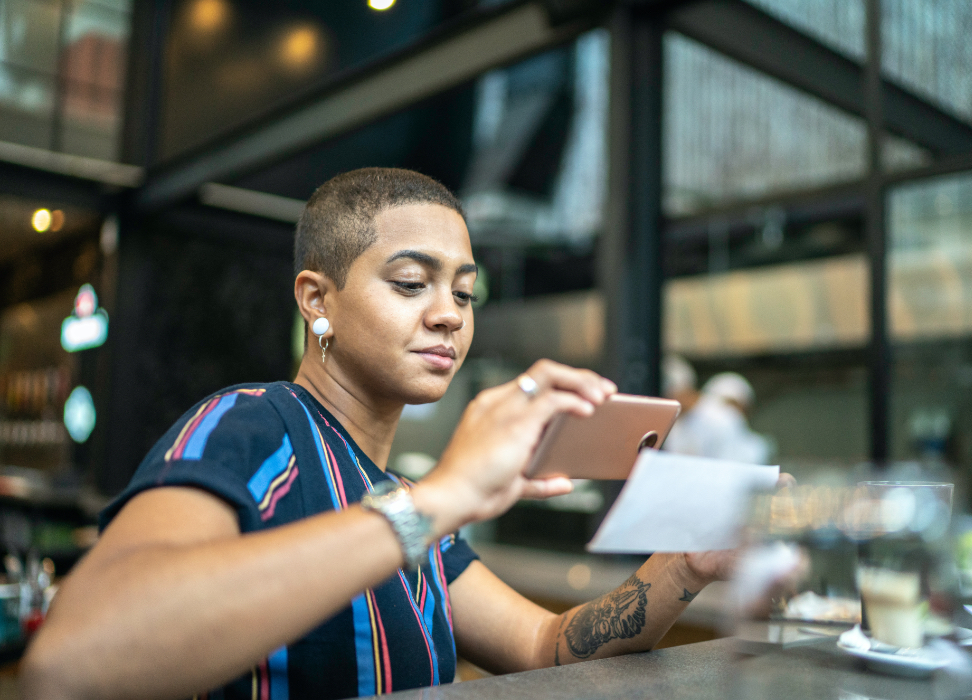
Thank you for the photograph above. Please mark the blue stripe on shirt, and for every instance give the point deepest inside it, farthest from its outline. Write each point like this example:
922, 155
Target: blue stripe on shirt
335, 501
364, 646
272, 467
279, 683
197, 443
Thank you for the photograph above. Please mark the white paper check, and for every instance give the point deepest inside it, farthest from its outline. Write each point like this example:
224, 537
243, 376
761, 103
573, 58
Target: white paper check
674, 503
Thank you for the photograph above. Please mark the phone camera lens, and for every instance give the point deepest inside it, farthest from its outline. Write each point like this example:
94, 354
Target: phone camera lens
649, 440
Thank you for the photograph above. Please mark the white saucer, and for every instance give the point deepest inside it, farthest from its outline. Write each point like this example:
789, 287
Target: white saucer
912, 663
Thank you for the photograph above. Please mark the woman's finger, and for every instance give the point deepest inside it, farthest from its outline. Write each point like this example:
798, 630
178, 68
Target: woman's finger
553, 375
550, 403
547, 488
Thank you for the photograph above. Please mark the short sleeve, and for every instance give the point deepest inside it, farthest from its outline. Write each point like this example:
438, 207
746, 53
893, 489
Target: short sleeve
457, 555
221, 445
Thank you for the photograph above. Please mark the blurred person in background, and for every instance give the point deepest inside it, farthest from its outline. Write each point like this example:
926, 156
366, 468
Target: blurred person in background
262, 547
717, 424
679, 383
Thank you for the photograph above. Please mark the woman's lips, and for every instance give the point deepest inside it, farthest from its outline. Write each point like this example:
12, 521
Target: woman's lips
439, 357
437, 361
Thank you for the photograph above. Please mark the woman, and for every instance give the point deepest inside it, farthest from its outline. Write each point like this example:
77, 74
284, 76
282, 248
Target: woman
240, 558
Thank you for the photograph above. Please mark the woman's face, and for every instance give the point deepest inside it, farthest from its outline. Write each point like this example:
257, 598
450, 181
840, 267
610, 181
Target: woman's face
404, 320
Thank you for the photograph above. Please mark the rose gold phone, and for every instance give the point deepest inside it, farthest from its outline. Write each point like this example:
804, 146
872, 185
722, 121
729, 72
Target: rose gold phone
606, 444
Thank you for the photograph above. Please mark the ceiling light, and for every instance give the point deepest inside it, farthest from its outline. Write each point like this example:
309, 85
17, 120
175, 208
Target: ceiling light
380, 4
41, 220
57, 220
299, 46
208, 15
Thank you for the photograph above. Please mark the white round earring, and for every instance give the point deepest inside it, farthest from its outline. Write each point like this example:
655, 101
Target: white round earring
320, 327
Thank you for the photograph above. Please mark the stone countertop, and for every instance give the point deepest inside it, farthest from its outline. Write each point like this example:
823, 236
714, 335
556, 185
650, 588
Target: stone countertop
709, 670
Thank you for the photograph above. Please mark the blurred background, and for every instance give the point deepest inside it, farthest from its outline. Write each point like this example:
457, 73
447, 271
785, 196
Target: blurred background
778, 188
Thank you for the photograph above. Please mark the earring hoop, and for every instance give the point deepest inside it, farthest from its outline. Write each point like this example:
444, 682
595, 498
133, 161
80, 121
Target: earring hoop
320, 327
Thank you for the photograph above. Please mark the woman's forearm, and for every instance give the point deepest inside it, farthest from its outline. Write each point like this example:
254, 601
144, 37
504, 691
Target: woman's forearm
633, 617
169, 621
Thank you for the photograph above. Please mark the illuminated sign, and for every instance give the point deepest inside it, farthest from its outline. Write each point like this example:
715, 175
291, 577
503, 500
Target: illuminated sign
87, 327
79, 414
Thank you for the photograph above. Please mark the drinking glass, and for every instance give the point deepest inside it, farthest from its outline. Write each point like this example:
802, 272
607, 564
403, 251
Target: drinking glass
902, 527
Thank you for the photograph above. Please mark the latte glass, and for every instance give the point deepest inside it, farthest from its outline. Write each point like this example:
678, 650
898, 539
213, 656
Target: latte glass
908, 524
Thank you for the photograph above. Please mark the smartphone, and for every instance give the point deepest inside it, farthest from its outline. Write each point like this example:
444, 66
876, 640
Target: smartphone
605, 444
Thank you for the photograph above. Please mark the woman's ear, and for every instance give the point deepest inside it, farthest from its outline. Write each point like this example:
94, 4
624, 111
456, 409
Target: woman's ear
312, 290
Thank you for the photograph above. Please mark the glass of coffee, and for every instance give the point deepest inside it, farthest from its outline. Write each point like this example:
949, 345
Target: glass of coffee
908, 525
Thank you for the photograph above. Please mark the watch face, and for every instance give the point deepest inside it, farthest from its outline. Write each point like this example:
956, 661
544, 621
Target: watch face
385, 487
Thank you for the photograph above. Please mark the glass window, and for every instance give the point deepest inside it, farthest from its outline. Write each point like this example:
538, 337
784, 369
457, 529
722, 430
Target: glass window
925, 42
837, 23
62, 74
796, 332
930, 262
926, 49
228, 62
930, 319
768, 290
801, 307
732, 133
525, 148
538, 166
93, 60
28, 66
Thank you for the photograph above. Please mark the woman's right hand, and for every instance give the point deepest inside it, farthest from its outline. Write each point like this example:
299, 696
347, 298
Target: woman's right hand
481, 472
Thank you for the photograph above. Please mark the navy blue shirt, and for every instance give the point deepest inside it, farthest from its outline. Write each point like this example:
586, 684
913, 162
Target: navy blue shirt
276, 455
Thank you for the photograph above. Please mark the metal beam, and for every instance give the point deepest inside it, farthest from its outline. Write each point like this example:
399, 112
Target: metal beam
243, 201
437, 64
879, 349
144, 82
753, 37
841, 201
77, 167
939, 168
630, 257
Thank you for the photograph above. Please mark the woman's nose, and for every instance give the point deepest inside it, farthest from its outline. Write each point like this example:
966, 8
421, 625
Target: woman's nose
444, 313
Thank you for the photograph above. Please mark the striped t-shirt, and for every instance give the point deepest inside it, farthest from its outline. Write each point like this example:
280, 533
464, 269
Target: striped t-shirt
277, 456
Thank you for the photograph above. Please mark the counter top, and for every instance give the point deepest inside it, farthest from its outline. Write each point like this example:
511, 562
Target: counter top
709, 670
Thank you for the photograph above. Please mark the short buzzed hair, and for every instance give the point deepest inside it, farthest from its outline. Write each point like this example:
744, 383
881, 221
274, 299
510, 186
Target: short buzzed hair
337, 224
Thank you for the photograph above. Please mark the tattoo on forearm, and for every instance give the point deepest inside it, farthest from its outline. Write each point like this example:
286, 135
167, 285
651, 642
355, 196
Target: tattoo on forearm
560, 629
620, 614
687, 595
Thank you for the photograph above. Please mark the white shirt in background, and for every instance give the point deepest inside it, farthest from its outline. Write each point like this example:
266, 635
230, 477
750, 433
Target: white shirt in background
716, 429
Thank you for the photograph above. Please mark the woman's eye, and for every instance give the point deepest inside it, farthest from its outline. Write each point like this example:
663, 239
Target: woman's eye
410, 287
465, 297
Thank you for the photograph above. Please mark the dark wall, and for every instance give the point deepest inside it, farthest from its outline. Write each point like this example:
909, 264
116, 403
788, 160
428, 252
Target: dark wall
204, 301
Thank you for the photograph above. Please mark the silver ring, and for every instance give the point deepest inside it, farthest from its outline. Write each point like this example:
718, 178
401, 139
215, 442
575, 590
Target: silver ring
528, 385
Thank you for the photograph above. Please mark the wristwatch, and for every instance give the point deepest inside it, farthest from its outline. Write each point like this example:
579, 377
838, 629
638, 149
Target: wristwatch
413, 529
